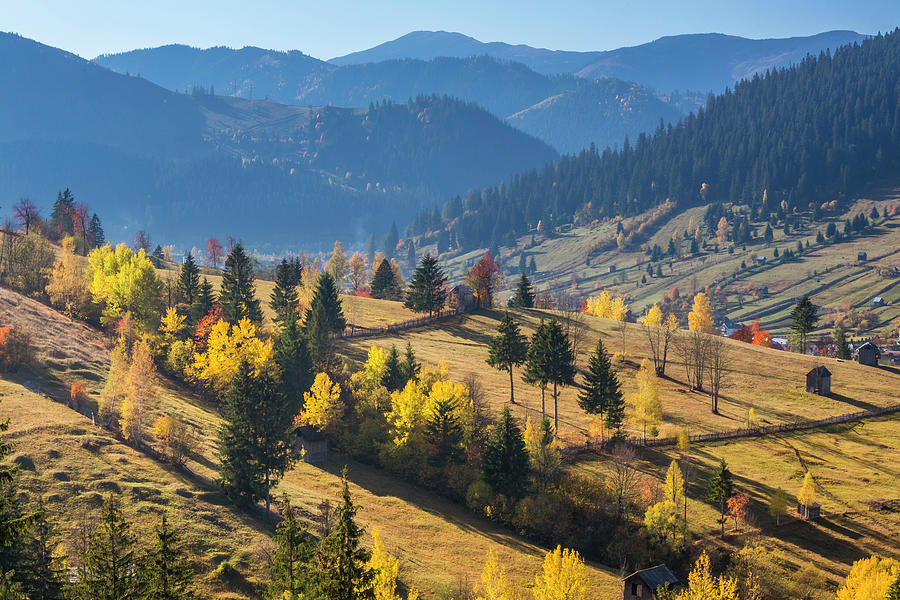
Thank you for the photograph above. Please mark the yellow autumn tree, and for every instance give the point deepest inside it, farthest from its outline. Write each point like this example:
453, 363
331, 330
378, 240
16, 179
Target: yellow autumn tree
598, 306
139, 392
563, 577
618, 309
357, 271
124, 281
367, 384
116, 384
646, 408
703, 585
458, 397
722, 231
322, 405
408, 410
869, 579
654, 316
701, 316
171, 326
494, 585
226, 347
807, 494
337, 265
67, 286
673, 488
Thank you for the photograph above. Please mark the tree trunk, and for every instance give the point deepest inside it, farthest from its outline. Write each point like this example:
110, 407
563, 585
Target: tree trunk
268, 495
555, 411
512, 399
543, 409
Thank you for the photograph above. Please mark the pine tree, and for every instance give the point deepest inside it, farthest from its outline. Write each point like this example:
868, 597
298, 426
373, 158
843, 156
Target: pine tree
804, 318
317, 330
61, 217
294, 361
507, 349
109, 564
444, 434
384, 285
291, 570
524, 296
45, 568
189, 279
98, 238
601, 386
410, 367
168, 572
389, 242
842, 348
719, 489
537, 368
238, 295
393, 371
239, 470
506, 462
326, 296
284, 299
560, 362
428, 288
203, 302
345, 574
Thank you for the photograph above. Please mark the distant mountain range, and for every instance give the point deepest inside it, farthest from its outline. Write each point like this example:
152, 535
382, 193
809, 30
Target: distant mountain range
701, 62
185, 165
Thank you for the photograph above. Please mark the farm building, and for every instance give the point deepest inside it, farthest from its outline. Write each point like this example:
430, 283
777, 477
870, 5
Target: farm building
310, 444
877, 301
862, 257
868, 354
611, 269
811, 512
461, 298
762, 291
818, 381
642, 585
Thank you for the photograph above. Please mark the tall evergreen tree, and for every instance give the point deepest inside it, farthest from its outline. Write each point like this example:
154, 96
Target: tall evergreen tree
238, 294
444, 434
168, 572
428, 288
537, 367
61, 216
109, 564
292, 571
326, 296
804, 318
506, 461
720, 489
345, 574
96, 230
842, 348
293, 358
273, 431
239, 470
43, 567
524, 296
601, 388
384, 284
284, 299
507, 349
389, 242
189, 279
393, 378
317, 330
204, 301
410, 366
560, 362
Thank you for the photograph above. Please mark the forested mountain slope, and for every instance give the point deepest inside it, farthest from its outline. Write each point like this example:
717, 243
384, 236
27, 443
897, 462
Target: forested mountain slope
148, 158
759, 146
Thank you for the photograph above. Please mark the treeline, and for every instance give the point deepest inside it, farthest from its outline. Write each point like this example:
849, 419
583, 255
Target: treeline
816, 132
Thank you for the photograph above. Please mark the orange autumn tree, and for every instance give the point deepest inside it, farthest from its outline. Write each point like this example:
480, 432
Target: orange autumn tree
761, 337
483, 279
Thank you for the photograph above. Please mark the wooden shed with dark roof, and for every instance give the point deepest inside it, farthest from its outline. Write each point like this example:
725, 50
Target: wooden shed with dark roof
642, 585
310, 444
818, 381
868, 354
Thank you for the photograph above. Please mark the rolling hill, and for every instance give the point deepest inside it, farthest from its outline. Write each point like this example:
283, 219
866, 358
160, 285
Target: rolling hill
701, 62
237, 166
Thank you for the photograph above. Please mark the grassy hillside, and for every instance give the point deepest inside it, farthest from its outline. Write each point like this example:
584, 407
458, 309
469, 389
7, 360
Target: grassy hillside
439, 543
777, 393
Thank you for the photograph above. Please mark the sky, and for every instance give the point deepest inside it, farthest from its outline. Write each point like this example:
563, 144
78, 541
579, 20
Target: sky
330, 28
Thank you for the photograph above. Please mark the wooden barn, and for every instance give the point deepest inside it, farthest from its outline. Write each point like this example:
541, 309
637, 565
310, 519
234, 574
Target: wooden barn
811, 512
868, 354
310, 444
462, 299
642, 585
818, 381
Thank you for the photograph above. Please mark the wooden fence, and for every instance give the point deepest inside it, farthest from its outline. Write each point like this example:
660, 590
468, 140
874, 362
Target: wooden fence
355, 331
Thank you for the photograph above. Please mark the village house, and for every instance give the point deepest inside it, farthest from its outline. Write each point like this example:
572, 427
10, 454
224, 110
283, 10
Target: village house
868, 354
818, 381
862, 257
642, 585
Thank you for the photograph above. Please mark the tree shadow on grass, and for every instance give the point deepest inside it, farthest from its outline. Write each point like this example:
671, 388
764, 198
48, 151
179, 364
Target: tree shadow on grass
859, 404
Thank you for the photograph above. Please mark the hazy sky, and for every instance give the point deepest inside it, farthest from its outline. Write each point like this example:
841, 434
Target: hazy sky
329, 28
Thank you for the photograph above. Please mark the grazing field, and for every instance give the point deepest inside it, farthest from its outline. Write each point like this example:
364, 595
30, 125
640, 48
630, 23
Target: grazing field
440, 544
772, 382
854, 475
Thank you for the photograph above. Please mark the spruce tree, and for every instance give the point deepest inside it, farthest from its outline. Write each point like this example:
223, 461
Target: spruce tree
505, 464
384, 284
238, 294
61, 216
410, 366
720, 489
601, 384
272, 429
189, 279
109, 564
292, 570
524, 296
345, 574
284, 299
294, 361
203, 302
317, 330
537, 368
41, 563
842, 348
239, 470
168, 572
560, 362
96, 230
507, 349
804, 318
444, 434
428, 288
326, 296
393, 378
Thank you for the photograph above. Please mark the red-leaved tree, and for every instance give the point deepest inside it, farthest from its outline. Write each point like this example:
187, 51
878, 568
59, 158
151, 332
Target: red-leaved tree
213, 252
483, 279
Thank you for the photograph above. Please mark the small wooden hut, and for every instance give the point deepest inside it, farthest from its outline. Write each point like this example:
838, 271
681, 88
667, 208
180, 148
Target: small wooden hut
818, 381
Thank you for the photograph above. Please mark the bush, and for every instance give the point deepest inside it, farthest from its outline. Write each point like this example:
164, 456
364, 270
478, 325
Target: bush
16, 349
77, 395
176, 436
179, 357
480, 497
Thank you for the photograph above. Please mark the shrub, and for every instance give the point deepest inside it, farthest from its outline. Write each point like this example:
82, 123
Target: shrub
176, 436
16, 349
179, 357
480, 497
